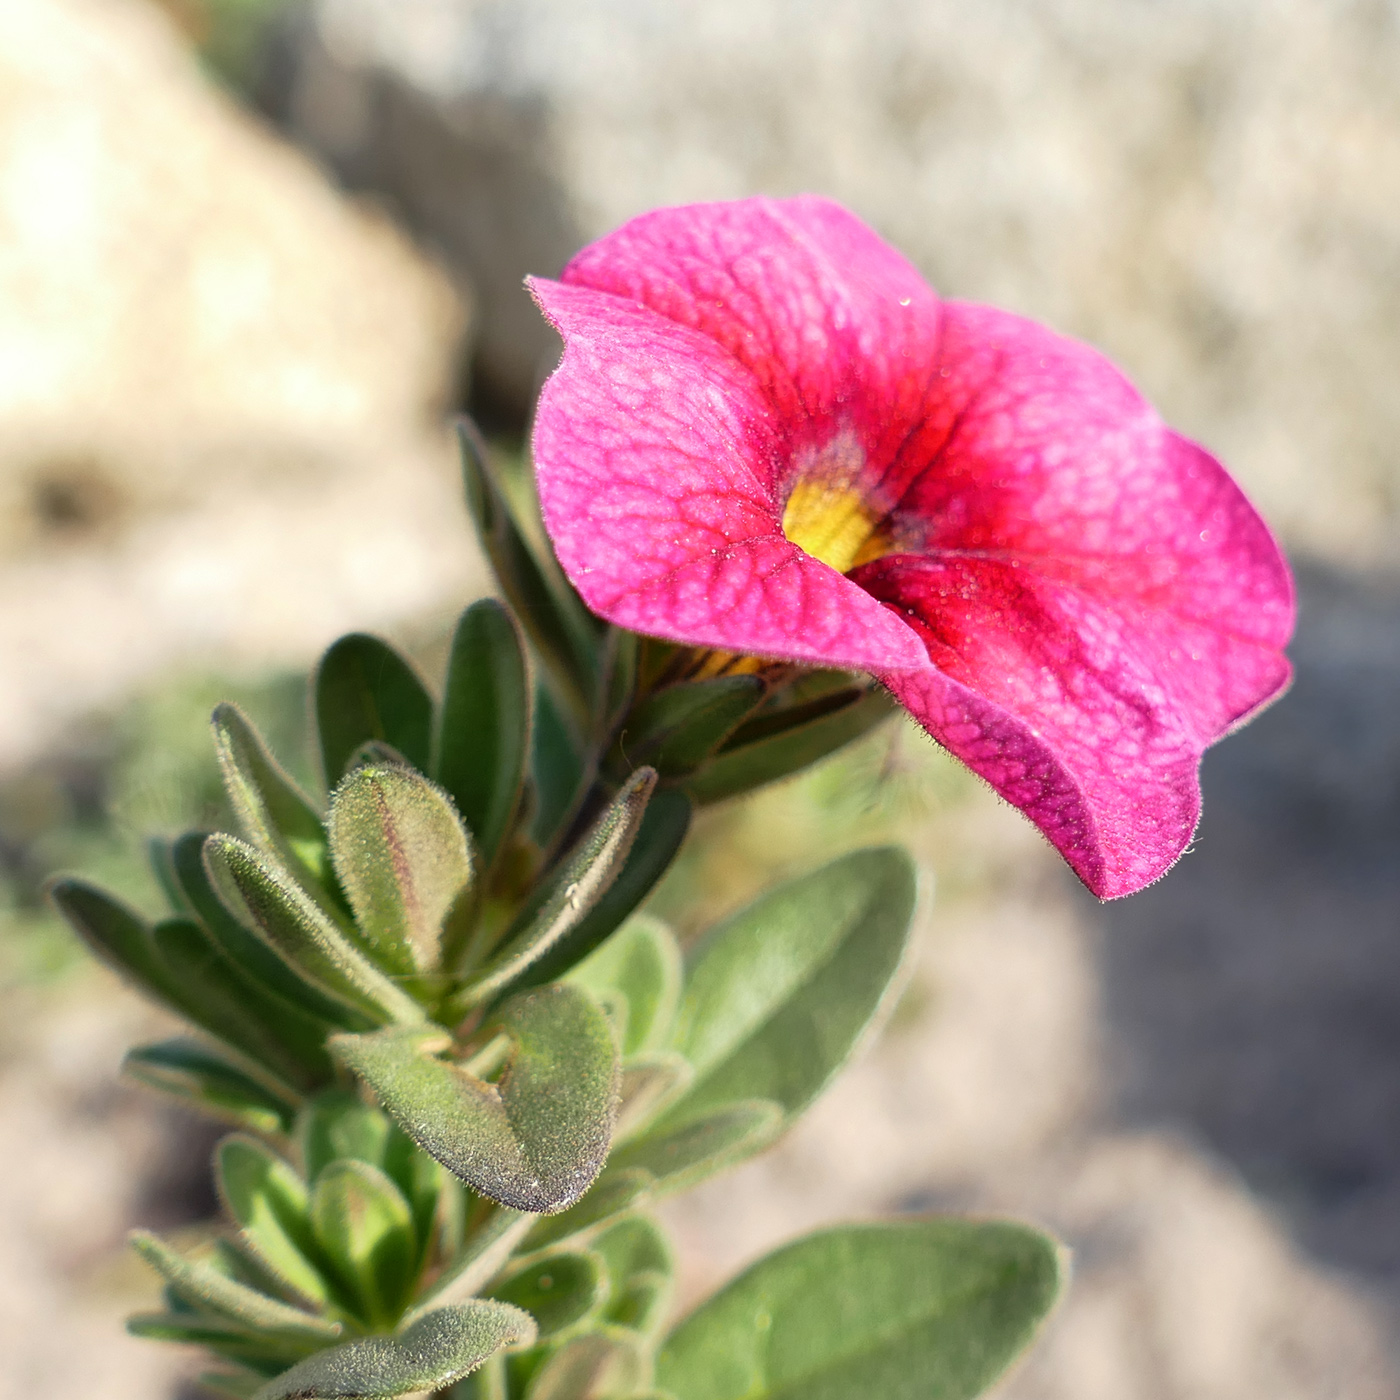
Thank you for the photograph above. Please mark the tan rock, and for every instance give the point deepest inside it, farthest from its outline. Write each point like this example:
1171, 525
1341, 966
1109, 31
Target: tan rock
221, 386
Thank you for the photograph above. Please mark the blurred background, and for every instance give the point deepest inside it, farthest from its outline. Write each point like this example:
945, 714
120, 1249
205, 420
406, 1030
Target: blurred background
254, 252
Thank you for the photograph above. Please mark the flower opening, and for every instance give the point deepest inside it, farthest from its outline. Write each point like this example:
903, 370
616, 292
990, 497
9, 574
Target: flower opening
770, 438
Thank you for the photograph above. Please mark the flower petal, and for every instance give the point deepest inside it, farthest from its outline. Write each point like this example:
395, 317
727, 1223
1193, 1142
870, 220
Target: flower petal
650, 444
838, 329
1091, 721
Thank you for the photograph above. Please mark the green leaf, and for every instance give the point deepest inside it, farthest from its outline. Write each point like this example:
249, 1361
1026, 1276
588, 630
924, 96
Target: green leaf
268, 1201
264, 964
365, 690
219, 997
207, 1288
616, 1192
190, 1071
621, 659
677, 728
663, 828
558, 1291
534, 1141
274, 814
297, 928
365, 1228
483, 737
650, 1085
768, 748
557, 767
601, 1363
634, 1245
339, 1124
640, 1264
678, 1157
564, 632
642, 960
923, 1310
118, 937
777, 997
437, 1349
478, 1259
573, 891
404, 861
231, 1385
261, 1351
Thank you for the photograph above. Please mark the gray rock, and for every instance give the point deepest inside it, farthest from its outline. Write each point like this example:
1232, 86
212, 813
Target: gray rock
1208, 190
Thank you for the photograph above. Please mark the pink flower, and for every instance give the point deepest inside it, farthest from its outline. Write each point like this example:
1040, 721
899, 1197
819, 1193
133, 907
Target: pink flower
768, 435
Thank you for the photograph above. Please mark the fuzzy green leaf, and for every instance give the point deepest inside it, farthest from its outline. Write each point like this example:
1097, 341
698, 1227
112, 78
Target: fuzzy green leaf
663, 828
564, 632
273, 812
208, 1288
558, 1291
437, 1349
642, 960
534, 1141
118, 937
365, 690
221, 998
924, 1310
365, 1228
339, 1124
404, 861
777, 997
607, 1362
264, 1352
574, 890
640, 1265
677, 728
483, 738
269, 1202
681, 1156
264, 964
190, 1071
262, 898
557, 767
770, 747
617, 1192
651, 1084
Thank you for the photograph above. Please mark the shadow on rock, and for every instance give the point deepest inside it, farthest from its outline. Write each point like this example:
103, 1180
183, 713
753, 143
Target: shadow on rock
1254, 995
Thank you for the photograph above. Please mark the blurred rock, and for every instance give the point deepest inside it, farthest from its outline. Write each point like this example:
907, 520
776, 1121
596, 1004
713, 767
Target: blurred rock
1210, 190
221, 386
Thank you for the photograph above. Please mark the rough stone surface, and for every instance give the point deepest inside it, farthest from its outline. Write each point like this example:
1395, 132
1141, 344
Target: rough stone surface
221, 386
1208, 190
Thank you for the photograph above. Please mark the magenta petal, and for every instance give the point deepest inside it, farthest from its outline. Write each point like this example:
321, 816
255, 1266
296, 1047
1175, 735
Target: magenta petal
1119, 830
833, 324
1090, 717
652, 443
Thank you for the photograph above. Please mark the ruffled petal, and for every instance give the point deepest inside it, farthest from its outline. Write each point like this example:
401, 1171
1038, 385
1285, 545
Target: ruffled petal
1089, 718
650, 444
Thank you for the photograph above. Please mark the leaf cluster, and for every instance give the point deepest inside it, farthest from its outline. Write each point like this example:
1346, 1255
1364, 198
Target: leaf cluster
461, 1066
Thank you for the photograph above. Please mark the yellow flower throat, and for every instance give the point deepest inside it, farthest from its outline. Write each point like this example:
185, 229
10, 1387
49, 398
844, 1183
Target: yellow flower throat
834, 523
